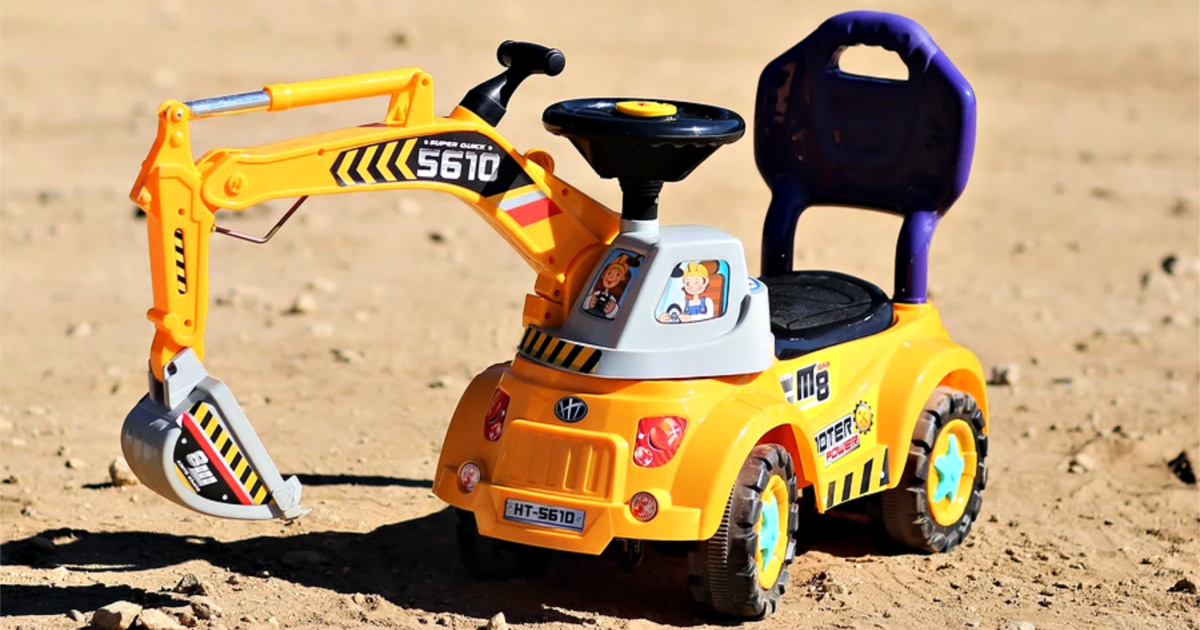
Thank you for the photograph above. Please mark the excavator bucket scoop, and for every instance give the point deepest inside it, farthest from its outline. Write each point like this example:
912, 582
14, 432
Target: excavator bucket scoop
196, 448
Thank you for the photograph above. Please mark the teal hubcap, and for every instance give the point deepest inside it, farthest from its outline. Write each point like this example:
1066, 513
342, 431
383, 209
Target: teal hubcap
949, 468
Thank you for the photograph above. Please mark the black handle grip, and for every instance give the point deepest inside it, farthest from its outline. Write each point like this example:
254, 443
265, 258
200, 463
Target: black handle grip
531, 58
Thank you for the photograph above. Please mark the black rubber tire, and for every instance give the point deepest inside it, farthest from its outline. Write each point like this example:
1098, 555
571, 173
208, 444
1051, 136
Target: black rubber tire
723, 574
904, 510
493, 559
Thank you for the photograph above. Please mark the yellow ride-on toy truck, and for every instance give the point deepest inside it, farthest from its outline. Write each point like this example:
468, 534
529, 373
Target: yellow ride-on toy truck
659, 392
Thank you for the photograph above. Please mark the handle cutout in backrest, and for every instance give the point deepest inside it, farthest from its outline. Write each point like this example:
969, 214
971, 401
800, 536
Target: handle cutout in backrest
871, 62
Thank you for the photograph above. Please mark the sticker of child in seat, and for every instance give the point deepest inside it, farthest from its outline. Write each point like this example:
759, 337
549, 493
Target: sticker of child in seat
608, 291
704, 288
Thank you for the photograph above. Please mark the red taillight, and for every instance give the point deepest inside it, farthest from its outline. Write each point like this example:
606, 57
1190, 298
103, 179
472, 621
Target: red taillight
493, 423
468, 476
643, 506
657, 440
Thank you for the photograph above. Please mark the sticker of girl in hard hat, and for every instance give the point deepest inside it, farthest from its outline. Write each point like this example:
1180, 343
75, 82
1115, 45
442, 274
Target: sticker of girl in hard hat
608, 292
703, 287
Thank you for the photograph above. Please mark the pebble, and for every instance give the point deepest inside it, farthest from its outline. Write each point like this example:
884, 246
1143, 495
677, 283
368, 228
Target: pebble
82, 329
186, 618
1018, 625
441, 382
43, 544
205, 608
498, 622
437, 237
322, 285
320, 329
11, 480
1029, 433
273, 622
28, 511
120, 474
1183, 586
1168, 264
303, 304
75, 463
303, 558
189, 584
152, 619
76, 616
1005, 374
1081, 463
116, 616
347, 355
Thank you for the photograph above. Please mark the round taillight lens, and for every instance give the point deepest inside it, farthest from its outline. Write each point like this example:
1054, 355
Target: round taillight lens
468, 476
657, 440
643, 506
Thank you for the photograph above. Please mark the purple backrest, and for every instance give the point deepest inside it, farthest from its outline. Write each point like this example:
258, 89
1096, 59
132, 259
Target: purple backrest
826, 137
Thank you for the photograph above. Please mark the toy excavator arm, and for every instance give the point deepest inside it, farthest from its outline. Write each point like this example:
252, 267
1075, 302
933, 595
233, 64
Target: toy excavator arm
551, 224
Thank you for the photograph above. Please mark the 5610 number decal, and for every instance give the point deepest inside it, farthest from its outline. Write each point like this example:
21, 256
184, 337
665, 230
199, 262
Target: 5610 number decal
461, 158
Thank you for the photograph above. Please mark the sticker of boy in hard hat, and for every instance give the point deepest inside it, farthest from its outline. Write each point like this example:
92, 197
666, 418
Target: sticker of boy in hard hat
694, 281
606, 295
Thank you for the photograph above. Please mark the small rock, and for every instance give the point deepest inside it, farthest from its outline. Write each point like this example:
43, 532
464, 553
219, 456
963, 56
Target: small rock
320, 329
1168, 264
75, 463
1005, 374
205, 608
82, 329
76, 616
120, 474
1081, 463
1018, 625
42, 544
399, 39
11, 480
1181, 207
1183, 586
273, 622
836, 588
28, 511
436, 237
189, 584
498, 622
233, 579
303, 304
347, 355
186, 618
1029, 432
322, 285
1181, 466
152, 619
116, 616
47, 196
440, 382
303, 558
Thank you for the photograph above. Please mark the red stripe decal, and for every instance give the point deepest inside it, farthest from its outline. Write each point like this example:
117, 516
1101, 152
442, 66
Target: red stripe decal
534, 211
215, 459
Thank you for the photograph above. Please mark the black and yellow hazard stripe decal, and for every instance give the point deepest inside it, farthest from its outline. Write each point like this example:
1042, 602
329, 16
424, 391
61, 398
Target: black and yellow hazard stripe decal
374, 164
180, 267
224, 445
547, 348
871, 479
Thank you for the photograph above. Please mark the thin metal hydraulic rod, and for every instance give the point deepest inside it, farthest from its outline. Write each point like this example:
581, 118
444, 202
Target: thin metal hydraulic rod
259, 240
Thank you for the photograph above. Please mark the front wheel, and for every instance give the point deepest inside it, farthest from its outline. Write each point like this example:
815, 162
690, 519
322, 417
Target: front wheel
939, 496
493, 559
741, 572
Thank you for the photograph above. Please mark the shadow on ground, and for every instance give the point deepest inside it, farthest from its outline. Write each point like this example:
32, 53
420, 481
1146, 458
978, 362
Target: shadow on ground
412, 564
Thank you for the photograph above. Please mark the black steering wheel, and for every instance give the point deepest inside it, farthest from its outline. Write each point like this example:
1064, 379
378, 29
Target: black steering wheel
645, 139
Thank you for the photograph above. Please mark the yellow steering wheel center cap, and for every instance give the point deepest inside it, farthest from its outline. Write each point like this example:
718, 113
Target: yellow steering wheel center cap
646, 109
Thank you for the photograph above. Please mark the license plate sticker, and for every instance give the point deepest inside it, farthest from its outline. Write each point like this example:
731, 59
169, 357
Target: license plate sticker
544, 515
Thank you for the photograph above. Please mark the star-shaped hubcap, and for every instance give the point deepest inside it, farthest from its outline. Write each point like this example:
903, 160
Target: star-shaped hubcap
949, 468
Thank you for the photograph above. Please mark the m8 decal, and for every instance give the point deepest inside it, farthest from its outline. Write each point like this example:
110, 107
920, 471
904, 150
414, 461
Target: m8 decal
809, 384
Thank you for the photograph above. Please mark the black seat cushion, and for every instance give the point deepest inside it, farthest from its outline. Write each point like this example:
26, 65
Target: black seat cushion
811, 310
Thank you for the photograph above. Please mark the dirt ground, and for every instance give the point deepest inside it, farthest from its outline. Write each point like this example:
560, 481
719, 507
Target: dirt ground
1072, 258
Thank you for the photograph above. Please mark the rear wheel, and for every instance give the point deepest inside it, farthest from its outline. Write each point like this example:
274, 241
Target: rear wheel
939, 497
741, 572
493, 559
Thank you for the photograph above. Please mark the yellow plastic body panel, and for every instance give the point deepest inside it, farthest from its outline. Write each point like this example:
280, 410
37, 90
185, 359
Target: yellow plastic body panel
564, 230
876, 384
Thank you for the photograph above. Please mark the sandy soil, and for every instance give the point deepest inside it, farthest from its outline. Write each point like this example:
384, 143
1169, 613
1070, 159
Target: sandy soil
1073, 257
